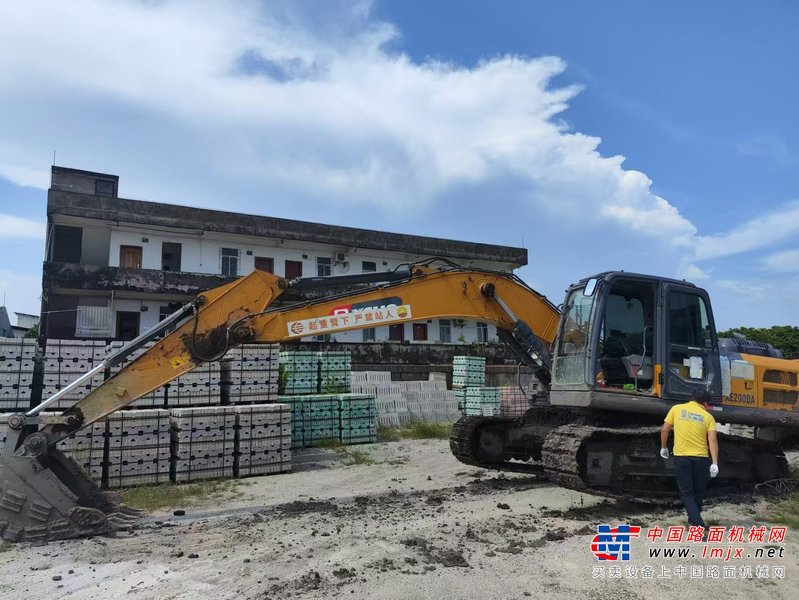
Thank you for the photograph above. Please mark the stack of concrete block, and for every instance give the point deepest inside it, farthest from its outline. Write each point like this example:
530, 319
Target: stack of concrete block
358, 414
250, 373
301, 372
392, 408
203, 443
319, 419
156, 398
482, 401
335, 372
400, 402
468, 371
430, 401
263, 438
17, 361
87, 448
66, 360
201, 386
138, 448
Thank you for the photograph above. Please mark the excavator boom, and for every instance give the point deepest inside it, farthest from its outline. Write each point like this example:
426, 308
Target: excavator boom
45, 496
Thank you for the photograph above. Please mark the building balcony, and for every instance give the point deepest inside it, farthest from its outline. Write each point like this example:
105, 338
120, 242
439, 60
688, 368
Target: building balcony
61, 277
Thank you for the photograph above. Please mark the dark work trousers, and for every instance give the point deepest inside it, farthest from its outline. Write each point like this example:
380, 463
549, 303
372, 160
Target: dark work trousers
693, 473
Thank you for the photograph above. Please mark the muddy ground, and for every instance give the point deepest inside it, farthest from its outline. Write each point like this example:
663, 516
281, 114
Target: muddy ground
409, 522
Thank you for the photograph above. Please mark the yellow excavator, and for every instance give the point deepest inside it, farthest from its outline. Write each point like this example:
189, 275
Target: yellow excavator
622, 350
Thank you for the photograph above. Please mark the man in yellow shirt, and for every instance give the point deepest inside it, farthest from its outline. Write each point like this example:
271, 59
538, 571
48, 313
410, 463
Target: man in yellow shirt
694, 434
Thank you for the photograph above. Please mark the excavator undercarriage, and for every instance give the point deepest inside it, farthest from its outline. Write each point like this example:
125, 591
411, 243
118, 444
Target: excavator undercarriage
603, 453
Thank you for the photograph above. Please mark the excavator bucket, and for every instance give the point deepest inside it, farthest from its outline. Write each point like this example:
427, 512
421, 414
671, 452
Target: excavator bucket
48, 497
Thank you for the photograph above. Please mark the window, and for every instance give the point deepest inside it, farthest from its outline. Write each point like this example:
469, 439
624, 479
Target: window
105, 188
130, 257
689, 337
419, 332
688, 322
324, 266
127, 325
445, 331
67, 243
369, 334
396, 333
293, 269
482, 333
229, 258
164, 312
263, 263
170, 256
575, 330
368, 266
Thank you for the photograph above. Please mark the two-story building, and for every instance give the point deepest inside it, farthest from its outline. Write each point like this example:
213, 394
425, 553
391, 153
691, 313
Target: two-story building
114, 267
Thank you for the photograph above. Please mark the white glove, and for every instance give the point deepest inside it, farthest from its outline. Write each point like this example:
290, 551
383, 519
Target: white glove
664, 453
714, 470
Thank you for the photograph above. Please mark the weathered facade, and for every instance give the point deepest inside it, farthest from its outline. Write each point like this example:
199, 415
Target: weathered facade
114, 266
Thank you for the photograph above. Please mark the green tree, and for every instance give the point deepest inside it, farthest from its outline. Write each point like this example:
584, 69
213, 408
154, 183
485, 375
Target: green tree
782, 337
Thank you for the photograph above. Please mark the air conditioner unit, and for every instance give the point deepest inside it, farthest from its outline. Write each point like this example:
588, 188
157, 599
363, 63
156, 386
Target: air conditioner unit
341, 257
459, 322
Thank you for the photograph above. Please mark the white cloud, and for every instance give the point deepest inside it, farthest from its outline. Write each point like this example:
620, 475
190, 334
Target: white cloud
17, 227
757, 233
22, 292
691, 272
786, 261
299, 106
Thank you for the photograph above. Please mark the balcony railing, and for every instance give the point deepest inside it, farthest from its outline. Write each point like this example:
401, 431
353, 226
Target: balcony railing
72, 276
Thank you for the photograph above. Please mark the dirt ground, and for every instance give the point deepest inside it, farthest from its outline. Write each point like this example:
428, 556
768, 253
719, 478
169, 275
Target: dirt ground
411, 522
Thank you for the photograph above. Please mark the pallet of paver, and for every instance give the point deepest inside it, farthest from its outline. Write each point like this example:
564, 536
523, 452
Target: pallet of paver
202, 460
203, 442
263, 439
482, 401
300, 372
250, 373
358, 414
138, 448
64, 361
468, 371
200, 386
17, 362
335, 372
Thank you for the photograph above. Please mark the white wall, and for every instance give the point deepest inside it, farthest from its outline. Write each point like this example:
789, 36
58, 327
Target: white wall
201, 254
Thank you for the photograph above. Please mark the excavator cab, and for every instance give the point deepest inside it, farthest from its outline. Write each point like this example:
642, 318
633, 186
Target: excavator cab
629, 342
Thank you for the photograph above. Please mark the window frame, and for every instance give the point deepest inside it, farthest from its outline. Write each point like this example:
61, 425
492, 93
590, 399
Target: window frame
231, 259
320, 264
445, 325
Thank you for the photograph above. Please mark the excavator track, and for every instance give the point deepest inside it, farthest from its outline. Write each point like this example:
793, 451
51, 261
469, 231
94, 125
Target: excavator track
620, 462
564, 457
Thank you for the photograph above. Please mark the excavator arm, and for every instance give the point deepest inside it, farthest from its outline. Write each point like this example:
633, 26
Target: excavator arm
43, 495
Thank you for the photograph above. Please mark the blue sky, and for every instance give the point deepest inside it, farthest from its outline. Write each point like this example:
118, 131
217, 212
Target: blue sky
498, 122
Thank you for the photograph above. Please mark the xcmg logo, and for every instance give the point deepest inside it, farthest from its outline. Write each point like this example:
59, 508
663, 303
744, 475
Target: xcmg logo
346, 309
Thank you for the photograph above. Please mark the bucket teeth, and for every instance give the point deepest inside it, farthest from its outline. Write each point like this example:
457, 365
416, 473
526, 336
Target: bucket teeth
54, 500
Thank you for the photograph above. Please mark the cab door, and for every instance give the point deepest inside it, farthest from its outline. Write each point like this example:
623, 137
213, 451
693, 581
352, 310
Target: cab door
691, 357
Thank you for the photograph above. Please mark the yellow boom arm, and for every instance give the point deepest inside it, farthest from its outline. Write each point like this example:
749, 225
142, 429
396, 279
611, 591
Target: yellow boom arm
245, 311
